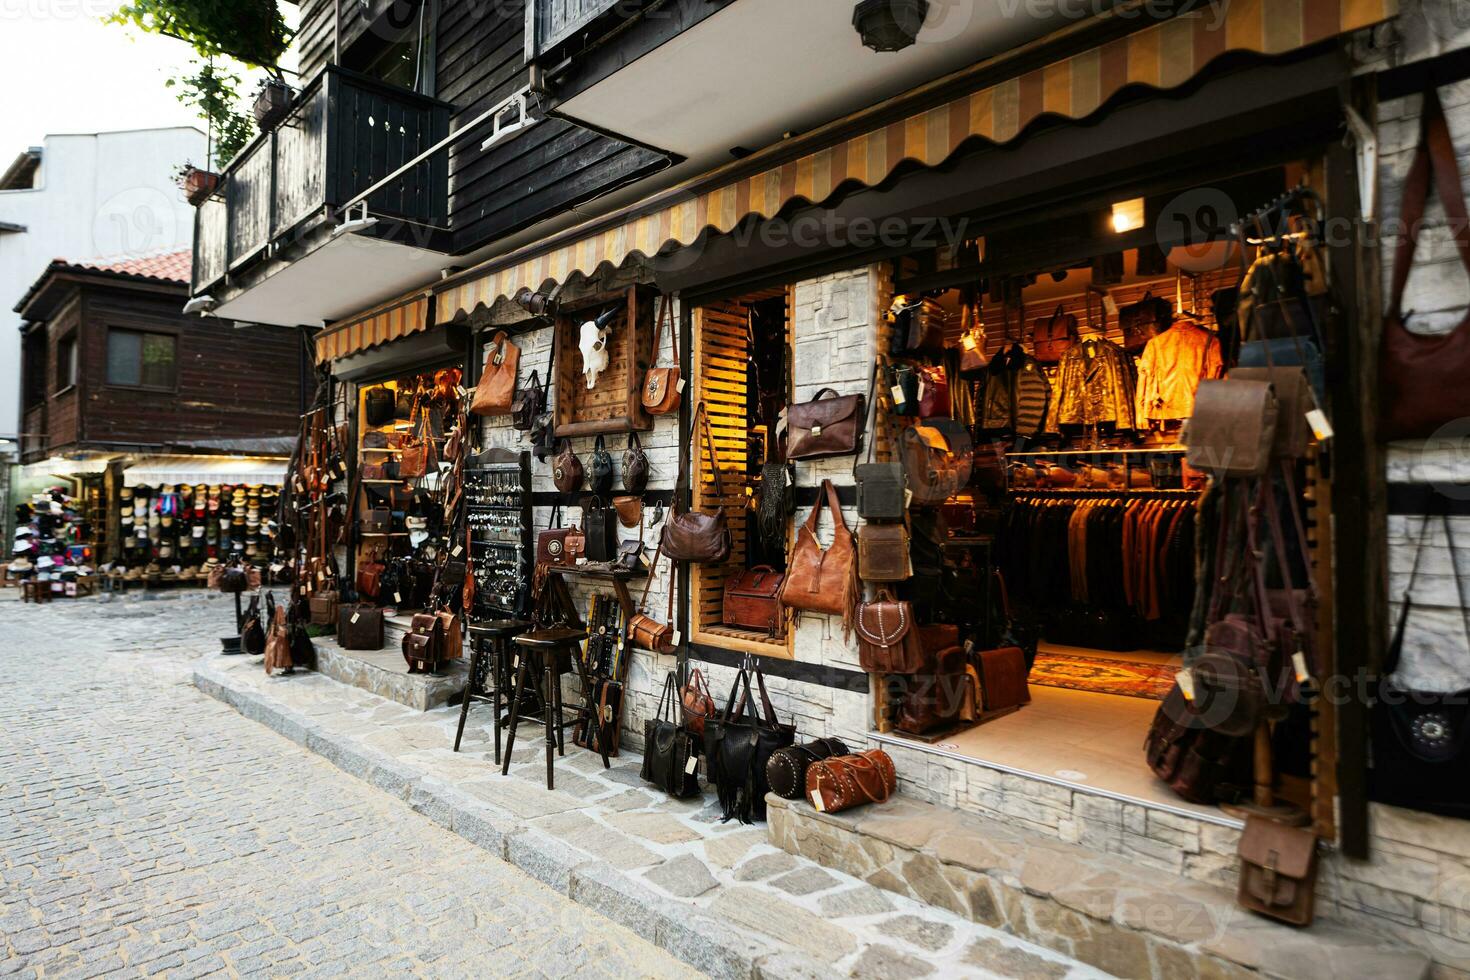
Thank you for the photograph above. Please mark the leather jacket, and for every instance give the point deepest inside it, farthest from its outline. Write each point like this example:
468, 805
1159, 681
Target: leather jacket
1171, 368
1096, 383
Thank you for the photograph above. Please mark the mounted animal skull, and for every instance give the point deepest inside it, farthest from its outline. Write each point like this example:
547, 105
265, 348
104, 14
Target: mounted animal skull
593, 344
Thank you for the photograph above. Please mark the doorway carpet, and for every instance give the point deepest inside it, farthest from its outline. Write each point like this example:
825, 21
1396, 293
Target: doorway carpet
1103, 675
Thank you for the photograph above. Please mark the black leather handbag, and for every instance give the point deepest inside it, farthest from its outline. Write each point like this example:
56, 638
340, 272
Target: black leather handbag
528, 403
378, 405
786, 768
635, 466
600, 469
670, 753
600, 523
739, 743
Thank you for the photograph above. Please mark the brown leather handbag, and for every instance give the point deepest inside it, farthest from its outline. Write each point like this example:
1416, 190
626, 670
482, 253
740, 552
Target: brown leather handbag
369, 575
846, 781
661, 384
1278, 871
418, 456
630, 511
696, 702
566, 470
821, 579
360, 627
1233, 427
277, 641
646, 632
751, 600
828, 425
883, 553
689, 535
560, 545
888, 641
1003, 678
495, 392
423, 645
1422, 376
1144, 320
1054, 336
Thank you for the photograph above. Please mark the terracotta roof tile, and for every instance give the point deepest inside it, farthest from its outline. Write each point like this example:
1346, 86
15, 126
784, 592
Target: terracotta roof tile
171, 266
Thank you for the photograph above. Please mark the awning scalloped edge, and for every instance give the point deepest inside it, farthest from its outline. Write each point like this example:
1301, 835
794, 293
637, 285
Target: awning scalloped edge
1163, 56
378, 326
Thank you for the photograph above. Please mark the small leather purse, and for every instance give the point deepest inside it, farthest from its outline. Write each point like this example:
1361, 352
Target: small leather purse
843, 782
661, 384
1278, 871
883, 553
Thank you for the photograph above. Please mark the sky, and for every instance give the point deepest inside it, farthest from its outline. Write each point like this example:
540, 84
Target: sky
63, 71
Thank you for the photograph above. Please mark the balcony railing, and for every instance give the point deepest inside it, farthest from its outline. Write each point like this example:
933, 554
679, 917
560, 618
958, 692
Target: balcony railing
345, 133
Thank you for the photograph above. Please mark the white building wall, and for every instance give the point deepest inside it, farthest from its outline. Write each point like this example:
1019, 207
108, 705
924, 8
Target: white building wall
101, 195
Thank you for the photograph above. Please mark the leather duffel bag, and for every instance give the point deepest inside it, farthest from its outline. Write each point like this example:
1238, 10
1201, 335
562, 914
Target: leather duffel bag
828, 425
786, 768
360, 627
846, 781
751, 600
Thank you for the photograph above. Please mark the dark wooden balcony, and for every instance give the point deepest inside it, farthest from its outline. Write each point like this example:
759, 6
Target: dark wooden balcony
345, 134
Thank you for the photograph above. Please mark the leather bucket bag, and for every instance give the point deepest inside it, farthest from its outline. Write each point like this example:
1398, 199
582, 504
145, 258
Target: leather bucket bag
846, 781
828, 425
818, 579
690, 535
495, 392
1422, 376
661, 388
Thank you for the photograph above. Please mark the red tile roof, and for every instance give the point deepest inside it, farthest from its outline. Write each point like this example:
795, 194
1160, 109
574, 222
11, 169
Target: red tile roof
172, 266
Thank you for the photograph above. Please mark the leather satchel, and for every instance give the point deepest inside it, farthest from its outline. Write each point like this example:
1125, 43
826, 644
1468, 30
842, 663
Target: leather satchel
888, 640
696, 703
670, 752
661, 384
1278, 871
370, 577
1003, 678
690, 535
450, 622
360, 627
786, 768
324, 609
818, 579
1144, 320
495, 392
1294, 400
528, 403
635, 467
1054, 336
751, 600
1233, 428
880, 491
846, 781
566, 470
600, 469
423, 645
828, 425
1422, 376
883, 553
377, 405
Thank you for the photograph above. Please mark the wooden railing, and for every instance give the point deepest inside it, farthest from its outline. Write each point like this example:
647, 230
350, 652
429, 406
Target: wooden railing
345, 133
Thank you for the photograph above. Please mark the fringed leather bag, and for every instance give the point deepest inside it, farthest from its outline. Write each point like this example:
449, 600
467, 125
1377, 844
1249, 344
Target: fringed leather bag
739, 744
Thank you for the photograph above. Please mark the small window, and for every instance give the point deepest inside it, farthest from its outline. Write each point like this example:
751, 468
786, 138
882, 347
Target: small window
140, 360
66, 362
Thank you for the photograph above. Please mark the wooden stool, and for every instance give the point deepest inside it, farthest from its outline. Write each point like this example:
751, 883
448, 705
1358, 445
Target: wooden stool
33, 591
551, 649
489, 644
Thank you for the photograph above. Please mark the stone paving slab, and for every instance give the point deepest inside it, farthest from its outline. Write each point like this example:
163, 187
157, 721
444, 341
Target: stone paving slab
668, 870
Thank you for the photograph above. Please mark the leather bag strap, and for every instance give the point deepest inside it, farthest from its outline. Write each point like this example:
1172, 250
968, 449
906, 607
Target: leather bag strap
1434, 157
665, 311
714, 459
832, 503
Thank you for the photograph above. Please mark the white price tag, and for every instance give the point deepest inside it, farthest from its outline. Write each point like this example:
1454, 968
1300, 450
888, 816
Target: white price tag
355, 617
680, 386
675, 638
817, 801
1299, 662
397, 598
516, 664
908, 498
897, 392
460, 389
691, 765
458, 550
1185, 680
1321, 428
1110, 304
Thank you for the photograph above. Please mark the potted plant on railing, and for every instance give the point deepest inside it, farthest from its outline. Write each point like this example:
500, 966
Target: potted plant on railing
198, 185
272, 102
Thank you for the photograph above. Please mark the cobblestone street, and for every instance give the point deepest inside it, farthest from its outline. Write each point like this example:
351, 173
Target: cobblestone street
148, 829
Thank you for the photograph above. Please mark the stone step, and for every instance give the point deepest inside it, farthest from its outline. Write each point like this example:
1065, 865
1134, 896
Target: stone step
384, 673
1126, 919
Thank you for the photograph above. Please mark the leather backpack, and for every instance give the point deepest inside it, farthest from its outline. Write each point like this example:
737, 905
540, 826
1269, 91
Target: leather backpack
1054, 336
635, 466
751, 600
661, 388
566, 470
888, 640
818, 579
600, 470
495, 391
423, 644
690, 535
1422, 376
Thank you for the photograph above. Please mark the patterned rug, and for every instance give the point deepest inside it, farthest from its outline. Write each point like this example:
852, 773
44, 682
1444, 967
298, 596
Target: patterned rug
1099, 675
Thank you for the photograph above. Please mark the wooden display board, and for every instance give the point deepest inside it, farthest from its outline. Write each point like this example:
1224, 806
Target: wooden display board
614, 404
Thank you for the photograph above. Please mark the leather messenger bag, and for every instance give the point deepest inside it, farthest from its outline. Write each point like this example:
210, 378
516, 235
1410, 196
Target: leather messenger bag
689, 535
1233, 428
828, 425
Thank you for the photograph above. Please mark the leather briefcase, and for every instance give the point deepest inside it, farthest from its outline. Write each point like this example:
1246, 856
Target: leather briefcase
360, 627
883, 553
828, 425
1233, 428
1003, 678
378, 520
880, 495
324, 609
1278, 871
888, 641
750, 600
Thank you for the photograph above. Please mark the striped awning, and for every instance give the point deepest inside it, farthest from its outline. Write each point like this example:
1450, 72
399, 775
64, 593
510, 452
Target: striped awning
1162, 56
391, 321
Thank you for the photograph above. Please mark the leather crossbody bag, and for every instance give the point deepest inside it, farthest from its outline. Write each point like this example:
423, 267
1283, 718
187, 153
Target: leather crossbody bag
644, 631
1278, 871
883, 553
495, 392
690, 535
888, 640
846, 781
670, 752
786, 768
661, 384
818, 579
880, 490
751, 600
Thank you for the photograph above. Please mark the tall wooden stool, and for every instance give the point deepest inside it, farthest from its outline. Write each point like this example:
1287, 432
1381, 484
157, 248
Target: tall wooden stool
489, 646
554, 651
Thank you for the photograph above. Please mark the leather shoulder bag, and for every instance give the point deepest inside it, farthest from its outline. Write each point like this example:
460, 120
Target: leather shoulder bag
786, 768
888, 640
635, 466
880, 491
883, 553
1422, 376
1278, 871
973, 360
495, 392
823, 580
846, 781
690, 535
751, 600
566, 469
696, 702
378, 404
600, 470
419, 456
740, 743
661, 384
600, 524
1054, 336
670, 752
828, 425
529, 402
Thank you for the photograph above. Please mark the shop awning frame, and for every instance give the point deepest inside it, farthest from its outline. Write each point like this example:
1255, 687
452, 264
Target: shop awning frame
1162, 56
380, 325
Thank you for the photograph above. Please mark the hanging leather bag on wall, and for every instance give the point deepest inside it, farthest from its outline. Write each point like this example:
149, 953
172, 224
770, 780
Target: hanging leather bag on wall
644, 631
495, 392
918, 328
600, 469
419, 456
883, 553
973, 359
889, 641
1233, 427
1278, 871
822, 580
933, 391
635, 466
661, 384
690, 535
529, 402
377, 405
601, 526
750, 600
880, 491
1422, 376
937, 461
828, 425
1144, 320
1054, 336
566, 470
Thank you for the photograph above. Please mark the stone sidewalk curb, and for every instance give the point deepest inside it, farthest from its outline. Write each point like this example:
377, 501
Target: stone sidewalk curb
701, 940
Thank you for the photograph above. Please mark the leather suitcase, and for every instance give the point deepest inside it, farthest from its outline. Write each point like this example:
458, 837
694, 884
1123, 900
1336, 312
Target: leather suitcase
360, 627
750, 600
1003, 678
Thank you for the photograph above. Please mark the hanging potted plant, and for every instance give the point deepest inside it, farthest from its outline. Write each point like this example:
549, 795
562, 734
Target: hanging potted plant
272, 102
198, 185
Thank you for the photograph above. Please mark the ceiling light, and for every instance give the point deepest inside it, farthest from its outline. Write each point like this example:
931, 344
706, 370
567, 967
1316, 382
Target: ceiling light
1128, 215
889, 25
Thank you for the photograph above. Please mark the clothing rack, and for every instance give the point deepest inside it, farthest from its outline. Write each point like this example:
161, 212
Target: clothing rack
1119, 492
1059, 453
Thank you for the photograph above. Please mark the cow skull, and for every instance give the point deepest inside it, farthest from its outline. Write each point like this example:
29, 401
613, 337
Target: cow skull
593, 345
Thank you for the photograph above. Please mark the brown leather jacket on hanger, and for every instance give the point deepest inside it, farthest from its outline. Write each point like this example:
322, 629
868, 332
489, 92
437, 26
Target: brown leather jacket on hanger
1171, 368
1096, 385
